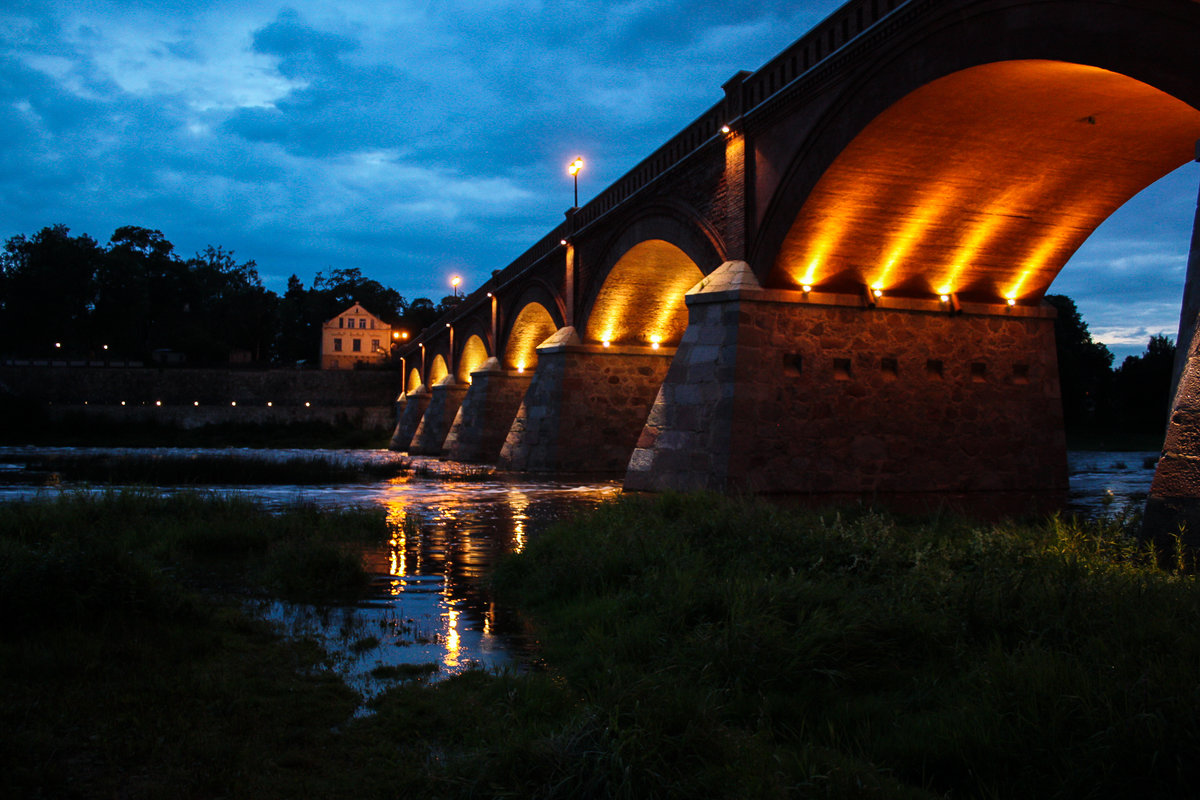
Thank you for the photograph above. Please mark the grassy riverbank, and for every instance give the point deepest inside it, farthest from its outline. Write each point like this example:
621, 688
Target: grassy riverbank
694, 647
721, 645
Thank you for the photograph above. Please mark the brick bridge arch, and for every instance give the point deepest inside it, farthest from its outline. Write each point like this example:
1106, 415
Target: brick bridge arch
530, 319
977, 163
473, 354
438, 369
634, 292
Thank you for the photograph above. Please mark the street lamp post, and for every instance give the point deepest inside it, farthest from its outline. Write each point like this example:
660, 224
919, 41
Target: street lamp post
455, 281
573, 169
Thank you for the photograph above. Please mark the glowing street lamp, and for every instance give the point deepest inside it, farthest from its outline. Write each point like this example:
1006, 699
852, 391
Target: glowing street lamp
573, 170
455, 281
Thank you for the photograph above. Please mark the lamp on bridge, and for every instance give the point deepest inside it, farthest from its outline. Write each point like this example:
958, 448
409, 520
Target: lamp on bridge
573, 170
454, 282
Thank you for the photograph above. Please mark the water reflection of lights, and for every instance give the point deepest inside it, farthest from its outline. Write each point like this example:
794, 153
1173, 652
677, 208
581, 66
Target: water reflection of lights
397, 519
453, 641
518, 501
429, 602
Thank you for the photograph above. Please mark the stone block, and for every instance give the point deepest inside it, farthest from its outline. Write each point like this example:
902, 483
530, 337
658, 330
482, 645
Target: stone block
891, 428
641, 460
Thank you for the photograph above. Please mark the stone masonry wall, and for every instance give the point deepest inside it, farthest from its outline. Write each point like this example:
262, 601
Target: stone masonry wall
911, 408
193, 398
584, 409
410, 419
209, 387
684, 445
485, 416
435, 424
1174, 500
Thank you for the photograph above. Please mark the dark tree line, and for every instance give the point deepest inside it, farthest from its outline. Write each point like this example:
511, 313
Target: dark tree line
64, 296
1133, 398
138, 297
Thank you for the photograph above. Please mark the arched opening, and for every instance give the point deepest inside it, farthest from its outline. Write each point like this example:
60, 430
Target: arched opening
532, 326
984, 182
641, 301
414, 379
1121, 291
474, 353
1126, 278
437, 371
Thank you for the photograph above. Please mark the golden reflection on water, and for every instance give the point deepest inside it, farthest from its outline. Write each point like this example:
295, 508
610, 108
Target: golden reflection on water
397, 515
518, 504
443, 538
453, 643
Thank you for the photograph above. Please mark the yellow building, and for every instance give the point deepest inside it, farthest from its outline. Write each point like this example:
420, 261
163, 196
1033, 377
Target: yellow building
352, 337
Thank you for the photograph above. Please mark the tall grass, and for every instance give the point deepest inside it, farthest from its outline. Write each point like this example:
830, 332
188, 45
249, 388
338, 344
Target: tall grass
122, 681
839, 650
88, 550
693, 646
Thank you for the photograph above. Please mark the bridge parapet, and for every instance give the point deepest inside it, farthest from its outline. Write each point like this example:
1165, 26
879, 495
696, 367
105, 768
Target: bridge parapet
743, 95
837, 30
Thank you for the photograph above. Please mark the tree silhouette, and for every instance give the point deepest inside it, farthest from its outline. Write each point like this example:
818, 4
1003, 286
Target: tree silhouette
1084, 367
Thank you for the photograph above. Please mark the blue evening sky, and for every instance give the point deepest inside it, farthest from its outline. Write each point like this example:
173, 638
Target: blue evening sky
415, 140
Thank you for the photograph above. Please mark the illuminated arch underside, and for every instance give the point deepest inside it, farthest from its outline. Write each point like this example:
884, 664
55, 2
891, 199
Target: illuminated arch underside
641, 300
985, 182
532, 326
473, 355
437, 371
414, 379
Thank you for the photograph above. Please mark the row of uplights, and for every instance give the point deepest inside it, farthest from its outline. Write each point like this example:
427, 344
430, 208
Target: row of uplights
943, 297
655, 342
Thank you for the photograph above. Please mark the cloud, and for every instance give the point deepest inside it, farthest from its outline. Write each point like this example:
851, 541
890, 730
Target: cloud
203, 63
398, 137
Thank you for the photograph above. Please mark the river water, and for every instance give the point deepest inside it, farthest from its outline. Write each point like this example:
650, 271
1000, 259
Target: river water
430, 613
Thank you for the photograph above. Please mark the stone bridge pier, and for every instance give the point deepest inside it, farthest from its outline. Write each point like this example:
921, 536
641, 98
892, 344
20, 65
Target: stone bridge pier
415, 404
916, 404
444, 401
585, 407
1174, 502
487, 411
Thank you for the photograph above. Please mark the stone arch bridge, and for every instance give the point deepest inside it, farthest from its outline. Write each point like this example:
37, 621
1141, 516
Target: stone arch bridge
830, 283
